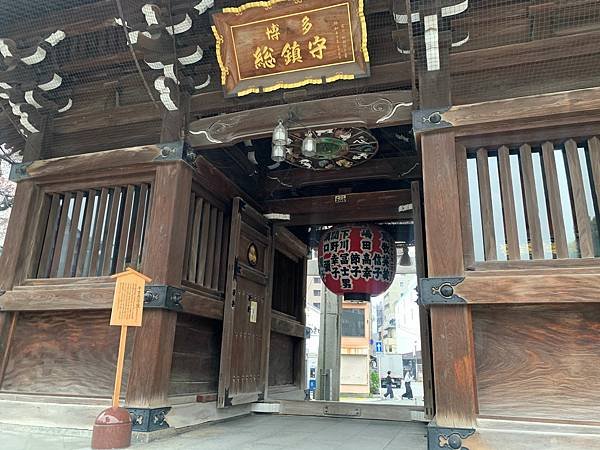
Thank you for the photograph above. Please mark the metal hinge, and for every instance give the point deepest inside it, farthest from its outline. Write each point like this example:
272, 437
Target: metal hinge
439, 291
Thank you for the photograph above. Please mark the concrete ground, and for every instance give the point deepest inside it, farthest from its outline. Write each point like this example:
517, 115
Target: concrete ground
268, 432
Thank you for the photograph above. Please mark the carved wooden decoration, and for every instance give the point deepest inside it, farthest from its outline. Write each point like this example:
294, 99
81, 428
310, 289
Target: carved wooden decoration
264, 46
336, 148
30, 82
373, 110
157, 38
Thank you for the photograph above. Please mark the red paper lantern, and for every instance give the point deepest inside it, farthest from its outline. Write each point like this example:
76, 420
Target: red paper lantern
357, 261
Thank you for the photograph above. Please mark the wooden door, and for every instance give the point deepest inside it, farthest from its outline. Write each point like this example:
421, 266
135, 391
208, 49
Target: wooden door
247, 315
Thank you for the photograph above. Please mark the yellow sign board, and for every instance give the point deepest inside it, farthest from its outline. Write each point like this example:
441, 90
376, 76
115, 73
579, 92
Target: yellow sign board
128, 302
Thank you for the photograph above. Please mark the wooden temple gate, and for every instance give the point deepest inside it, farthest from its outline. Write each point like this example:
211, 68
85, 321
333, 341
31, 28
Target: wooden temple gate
508, 256
514, 326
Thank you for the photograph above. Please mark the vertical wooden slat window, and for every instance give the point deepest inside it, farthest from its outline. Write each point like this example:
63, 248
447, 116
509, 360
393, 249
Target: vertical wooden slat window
206, 243
534, 202
547, 245
95, 232
475, 207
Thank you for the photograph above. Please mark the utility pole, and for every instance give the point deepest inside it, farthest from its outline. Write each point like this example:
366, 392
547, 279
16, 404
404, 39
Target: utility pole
330, 341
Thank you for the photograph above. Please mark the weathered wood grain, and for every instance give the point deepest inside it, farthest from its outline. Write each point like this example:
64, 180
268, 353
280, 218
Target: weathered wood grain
532, 264
451, 328
369, 206
72, 235
59, 167
49, 237
531, 203
59, 297
108, 249
60, 235
557, 224
543, 286
196, 355
538, 362
582, 218
282, 324
142, 212
123, 236
163, 262
68, 353
95, 260
203, 305
85, 233
281, 360
512, 112
465, 204
508, 204
485, 200
594, 153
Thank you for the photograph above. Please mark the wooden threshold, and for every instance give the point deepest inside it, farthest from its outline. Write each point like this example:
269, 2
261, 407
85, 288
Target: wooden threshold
359, 410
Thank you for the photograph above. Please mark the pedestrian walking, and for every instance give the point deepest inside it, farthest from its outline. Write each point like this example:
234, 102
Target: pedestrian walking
388, 383
408, 378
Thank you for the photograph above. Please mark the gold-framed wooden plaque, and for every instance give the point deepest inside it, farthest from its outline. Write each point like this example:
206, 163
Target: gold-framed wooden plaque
281, 44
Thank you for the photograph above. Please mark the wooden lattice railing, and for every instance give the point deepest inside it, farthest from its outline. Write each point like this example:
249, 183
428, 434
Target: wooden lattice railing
206, 244
95, 232
531, 202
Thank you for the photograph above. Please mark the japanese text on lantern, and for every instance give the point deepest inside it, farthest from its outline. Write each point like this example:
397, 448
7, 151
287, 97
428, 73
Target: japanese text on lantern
304, 40
344, 262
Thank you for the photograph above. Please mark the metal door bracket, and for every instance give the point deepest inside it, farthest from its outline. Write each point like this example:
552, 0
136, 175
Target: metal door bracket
146, 419
439, 291
19, 172
176, 151
429, 119
448, 438
163, 296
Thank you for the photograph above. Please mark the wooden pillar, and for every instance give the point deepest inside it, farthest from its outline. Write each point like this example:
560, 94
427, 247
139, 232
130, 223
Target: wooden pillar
148, 384
451, 328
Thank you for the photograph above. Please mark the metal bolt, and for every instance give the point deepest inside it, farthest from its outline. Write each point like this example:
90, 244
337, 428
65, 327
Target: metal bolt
436, 117
454, 441
166, 151
446, 290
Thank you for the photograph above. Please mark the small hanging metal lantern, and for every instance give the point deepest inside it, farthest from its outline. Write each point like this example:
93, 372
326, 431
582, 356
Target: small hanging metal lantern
357, 261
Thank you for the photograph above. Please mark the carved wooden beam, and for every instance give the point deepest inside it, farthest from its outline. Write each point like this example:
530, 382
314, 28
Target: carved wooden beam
332, 209
366, 110
387, 168
513, 113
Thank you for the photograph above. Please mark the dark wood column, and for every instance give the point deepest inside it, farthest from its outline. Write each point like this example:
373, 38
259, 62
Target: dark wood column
148, 384
451, 328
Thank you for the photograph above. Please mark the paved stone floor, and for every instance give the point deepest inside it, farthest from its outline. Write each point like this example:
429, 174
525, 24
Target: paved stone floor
268, 432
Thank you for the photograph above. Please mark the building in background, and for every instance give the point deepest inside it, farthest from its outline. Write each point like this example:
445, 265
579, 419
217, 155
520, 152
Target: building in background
355, 348
314, 285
